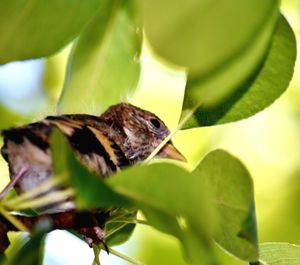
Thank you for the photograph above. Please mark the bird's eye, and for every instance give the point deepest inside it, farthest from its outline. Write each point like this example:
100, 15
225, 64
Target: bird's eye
155, 123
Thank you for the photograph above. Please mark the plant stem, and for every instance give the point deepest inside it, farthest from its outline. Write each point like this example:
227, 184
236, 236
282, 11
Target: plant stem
129, 221
13, 220
168, 138
111, 232
96, 255
261, 262
45, 186
124, 257
13, 182
53, 197
123, 214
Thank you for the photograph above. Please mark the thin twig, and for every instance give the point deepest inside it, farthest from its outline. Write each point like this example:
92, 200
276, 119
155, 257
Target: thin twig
53, 197
13, 220
124, 257
13, 182
45, 186
116, 229
262, 262
96, 255
129, 221
169, 137
118, 216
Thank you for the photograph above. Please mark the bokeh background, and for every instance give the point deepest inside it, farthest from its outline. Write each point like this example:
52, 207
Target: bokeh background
267, 143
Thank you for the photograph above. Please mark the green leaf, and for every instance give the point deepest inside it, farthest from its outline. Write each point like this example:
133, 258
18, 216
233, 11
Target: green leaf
173, 201
118, 228
2, 258
121, 236
91, 191
37, 28
220, 42
103, 67
88, 186
60, 150
279, 254
232, 193
203, 35
262, 89
32, 252
166, 188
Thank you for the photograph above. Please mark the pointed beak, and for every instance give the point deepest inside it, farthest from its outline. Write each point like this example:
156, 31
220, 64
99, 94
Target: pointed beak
169, 151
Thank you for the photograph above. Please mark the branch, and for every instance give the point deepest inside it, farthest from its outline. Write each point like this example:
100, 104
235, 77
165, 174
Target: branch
82, 222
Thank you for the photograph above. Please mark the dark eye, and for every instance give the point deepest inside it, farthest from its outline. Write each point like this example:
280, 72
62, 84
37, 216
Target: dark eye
155, 123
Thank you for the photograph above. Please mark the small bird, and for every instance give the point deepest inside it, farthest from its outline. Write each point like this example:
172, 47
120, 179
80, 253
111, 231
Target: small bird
120, 137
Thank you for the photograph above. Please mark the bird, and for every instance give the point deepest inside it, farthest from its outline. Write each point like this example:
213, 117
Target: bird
120, 137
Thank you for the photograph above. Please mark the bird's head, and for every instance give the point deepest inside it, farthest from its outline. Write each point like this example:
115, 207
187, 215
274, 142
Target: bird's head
138, 132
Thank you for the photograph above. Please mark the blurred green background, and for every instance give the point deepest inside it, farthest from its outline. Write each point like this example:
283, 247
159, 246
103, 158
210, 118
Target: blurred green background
268, 144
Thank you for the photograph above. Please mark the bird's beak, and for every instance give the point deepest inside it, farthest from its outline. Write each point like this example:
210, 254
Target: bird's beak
169, 151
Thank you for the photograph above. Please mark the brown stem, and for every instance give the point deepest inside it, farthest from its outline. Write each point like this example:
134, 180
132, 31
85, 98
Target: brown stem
78, 221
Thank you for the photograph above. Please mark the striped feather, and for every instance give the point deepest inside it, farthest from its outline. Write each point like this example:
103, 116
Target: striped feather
29, 146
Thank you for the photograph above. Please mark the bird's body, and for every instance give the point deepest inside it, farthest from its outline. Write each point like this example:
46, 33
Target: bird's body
121, 136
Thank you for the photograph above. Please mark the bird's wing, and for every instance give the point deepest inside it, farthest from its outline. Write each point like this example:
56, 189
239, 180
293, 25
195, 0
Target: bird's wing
89, 135
85, 133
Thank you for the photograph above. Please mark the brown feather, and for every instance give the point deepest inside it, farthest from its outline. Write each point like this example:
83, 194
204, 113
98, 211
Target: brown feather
121, 136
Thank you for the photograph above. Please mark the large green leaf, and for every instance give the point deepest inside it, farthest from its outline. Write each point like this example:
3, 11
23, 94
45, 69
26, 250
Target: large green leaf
91, 192
104, 66
166, 188
262, 89
279, 254
173, 201
32, 251
220, 42
37, 28
203, 35
232, 192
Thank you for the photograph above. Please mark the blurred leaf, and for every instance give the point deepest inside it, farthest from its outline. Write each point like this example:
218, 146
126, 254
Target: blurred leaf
54, 75
163, 192
173, 201
220, 42
60, 150
37, 28
232, 192
31, 253
87, 185
225, 258
197, 248
91, 191
155, 248
121, 236
103, 66
118, 228
279, 254
9, 118
268, 83
166, 188
2, 258
184, 32
286, 215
